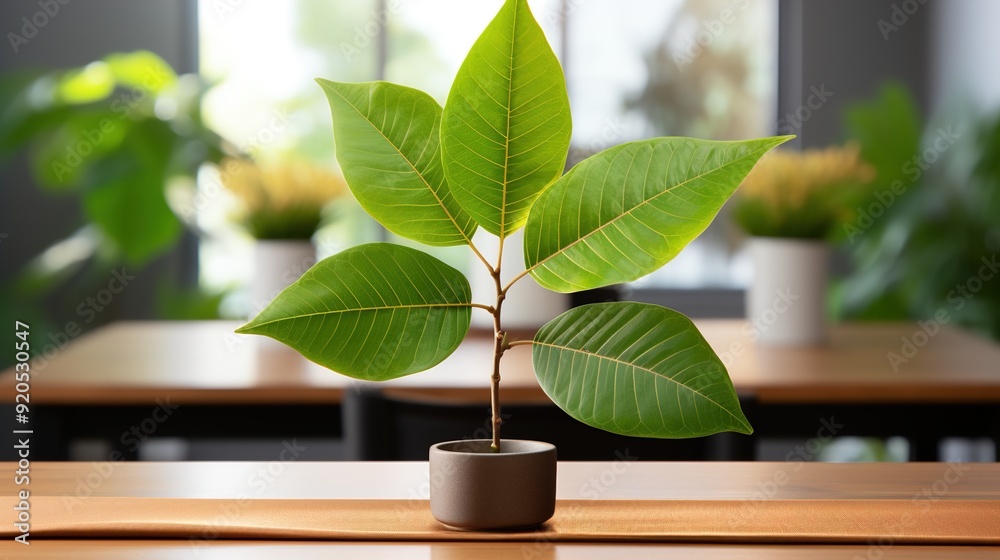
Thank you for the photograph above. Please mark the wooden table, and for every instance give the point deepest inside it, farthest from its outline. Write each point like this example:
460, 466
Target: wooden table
868, 378
732, 483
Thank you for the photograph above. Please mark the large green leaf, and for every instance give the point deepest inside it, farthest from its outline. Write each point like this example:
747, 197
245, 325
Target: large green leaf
636, 369
388, 144
628, 210
506, 128
373, 312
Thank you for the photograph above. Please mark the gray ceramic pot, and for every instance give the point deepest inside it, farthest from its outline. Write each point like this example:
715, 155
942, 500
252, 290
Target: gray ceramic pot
473, 488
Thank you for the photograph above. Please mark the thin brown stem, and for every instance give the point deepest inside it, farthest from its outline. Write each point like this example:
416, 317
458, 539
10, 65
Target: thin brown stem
479, 255
499, 346
488, 308
522, 274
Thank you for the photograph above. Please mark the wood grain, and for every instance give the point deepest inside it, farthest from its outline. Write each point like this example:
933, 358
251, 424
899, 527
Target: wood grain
625, 480
956, 489
90, 549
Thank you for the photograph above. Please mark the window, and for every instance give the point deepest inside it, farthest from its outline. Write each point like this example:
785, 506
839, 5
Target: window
635, 69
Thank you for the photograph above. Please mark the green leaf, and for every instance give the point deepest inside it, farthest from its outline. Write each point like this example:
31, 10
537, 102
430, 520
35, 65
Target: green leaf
628, 210
62, 158
372, 312
143, 71
90, 83
388, 145
126, 198
506, 128
636, 369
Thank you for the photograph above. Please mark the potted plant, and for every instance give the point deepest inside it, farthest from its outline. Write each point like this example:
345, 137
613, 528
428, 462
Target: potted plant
282, 206
493, 158
790, 203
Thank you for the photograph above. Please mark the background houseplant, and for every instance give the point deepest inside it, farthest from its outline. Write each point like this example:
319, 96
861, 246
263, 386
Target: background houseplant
493, 157
282, 207
918, 242
119, 141
791, 203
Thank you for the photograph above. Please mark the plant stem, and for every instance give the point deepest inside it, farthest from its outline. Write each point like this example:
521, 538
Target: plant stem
499, 346
479, 255
489, 308
514, 343
516, 278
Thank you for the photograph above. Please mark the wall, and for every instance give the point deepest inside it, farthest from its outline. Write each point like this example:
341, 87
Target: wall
836, 52
965, 60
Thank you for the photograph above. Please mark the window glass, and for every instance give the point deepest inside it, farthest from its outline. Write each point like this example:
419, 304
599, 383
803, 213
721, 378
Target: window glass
701, 68
263, 58
635, 69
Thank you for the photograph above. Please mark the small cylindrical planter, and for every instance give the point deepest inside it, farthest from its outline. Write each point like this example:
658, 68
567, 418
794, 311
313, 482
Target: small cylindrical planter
473, 488
786, 303
277, 263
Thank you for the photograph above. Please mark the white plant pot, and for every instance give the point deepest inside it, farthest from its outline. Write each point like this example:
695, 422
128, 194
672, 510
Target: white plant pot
528, 305
786, 303
276, 264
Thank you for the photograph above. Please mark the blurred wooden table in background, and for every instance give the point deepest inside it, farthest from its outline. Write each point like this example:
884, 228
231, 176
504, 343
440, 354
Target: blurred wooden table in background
870, 379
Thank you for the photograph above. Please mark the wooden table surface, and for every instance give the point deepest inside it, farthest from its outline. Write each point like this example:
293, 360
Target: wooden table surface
711, 481
403, 480
205, 363
74, 549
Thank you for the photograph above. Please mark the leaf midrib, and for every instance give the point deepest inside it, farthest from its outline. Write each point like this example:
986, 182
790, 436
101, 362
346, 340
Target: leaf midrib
440, 202
354, 310
618, 361
506, 139
629, 212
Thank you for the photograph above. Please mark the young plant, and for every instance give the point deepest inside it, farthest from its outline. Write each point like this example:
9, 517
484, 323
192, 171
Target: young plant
494, 158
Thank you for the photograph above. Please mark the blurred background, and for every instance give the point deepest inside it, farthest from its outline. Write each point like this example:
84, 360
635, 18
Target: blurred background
160, 142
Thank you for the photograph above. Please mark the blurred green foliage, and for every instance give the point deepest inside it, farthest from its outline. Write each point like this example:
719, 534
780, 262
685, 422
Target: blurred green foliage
926, 244
115, 135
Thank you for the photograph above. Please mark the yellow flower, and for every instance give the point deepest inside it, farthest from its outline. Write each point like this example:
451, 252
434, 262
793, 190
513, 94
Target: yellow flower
801, 194
281, 200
